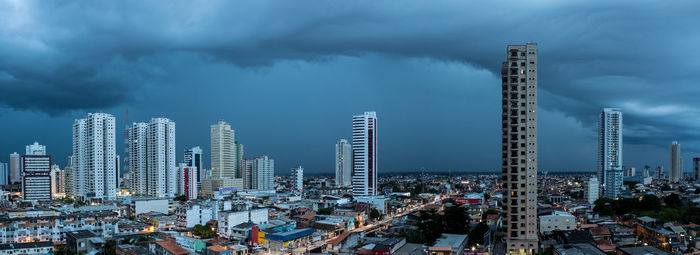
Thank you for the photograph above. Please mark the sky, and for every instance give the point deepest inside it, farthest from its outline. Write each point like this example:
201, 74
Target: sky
289, 75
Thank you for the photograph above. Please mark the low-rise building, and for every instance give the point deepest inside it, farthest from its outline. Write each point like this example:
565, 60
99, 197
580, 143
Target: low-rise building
20, 226
227, 220
449, 244
558, 220
32, 248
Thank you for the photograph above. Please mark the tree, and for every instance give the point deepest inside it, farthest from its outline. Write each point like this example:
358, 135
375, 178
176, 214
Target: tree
487, 196
181, 198
476, 236
430, 225
650, 202
325, 211
673, 200
375, 214
202, 231
110, 247
456, 220
145, 238
604, 206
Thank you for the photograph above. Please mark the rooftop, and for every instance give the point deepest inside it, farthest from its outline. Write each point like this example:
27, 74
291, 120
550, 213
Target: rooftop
450, 240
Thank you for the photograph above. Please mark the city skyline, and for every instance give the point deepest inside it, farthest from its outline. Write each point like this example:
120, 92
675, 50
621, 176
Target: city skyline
439, 77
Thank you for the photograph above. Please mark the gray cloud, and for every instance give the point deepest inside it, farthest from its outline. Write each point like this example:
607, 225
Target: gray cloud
63, 56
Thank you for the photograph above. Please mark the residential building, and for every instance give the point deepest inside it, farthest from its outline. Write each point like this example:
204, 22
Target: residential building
343, 163
646, 172
558, 220
15, 168
696, 168
94, 157
53, 225
519, 80
591, 193
193, 157
297, 178
152, 158
263, 173
227, 220
45, 247
630, 172
364, 154
187, 181
675, 171
449, 244
224, 161
4, 174
36, 149
57, 182
610, 151
36, 179
194, 213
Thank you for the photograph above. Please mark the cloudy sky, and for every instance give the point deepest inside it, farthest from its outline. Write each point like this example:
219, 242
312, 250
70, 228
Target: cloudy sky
289, 75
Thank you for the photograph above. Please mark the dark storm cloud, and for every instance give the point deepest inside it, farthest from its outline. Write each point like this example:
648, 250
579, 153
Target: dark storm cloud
62, 56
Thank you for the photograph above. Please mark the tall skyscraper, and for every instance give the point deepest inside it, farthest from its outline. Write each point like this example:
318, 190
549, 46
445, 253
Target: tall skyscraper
68, 178
646, 172
36, 178
15, 168
4, 174
696, 169
94, 155
343, 163
152, 158
519, 119
660, 172
675, 171
239, 160
36, 149
187, 181
263, 173
592, 190
224, 161
297, 178
223, 151
364, 154
57, 182
631, 172
193, 157
610, 151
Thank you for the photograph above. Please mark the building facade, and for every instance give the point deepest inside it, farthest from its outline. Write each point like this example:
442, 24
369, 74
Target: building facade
57, 182
36, 177
15, 168
35, 149
263, 173
94, 157
152, 158
675, 171
519, 119
364, 154
297, 178
343, 163
225, 165
610, 151
187, 181
592, 190
4, 173
696, 168
193, 157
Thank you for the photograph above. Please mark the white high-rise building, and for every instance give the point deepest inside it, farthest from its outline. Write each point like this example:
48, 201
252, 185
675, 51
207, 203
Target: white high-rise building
631, 172
4, 174
364, 154
610, 151
263, 173
57, 182
187, 181
193, 157
223, 151
152, 158
36, 149
15, 168
592, 190
94, 157
298, 178
343, 163
696, 169
519, 140
36, 177
675, 171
